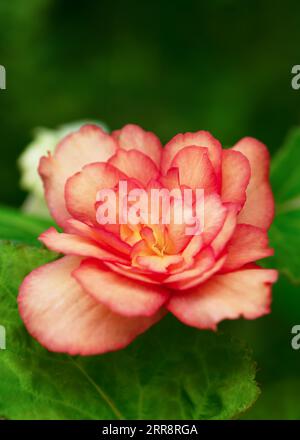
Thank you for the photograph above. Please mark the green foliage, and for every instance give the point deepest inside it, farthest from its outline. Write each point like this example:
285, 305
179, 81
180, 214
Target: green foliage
171, 372
21, 228
285, 231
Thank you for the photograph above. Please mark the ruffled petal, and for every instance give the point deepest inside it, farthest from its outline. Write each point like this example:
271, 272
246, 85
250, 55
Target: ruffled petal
259, 207
198, 139
245, 293
248, 244
64, 318
122, 295
235, 176
133, 137
82, 189
71, 244
89, 144
135, 164
195, 169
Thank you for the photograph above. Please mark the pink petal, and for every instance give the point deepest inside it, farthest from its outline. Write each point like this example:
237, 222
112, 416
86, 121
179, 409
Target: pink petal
105, 238
195, 169
89, 144
71, 244
214, 217
248, 244
198, 139
203, 263
64, 318
135, 164
259, 207
229, 225
82, 188
245, 293
133, 137
155, 263
120, 294
235, 176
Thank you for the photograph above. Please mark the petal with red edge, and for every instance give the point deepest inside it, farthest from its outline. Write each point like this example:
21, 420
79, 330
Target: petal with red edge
259, 207
71, 244
105, 238
135, 164
89, 144
195, 169
248, 244
122, 295
214, 217
198, 139
64, 318
133, 137
229, 225
245, 293
235, 176
81, 189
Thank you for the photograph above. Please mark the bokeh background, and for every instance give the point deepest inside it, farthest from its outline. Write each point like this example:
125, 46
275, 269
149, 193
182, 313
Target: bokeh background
221, 65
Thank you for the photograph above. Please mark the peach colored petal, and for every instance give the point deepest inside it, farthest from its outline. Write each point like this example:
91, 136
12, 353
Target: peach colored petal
195, 169
71, 244
122, 295
82, 189
235, 176
203, 263
135, 164
248, 244
133, 137
214, 217
198, 139
229, 225
64, 318
245, 293
105, 238
259, 207
89, 144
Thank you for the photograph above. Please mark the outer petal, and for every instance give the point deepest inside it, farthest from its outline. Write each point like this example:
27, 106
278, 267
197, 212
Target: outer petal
133, 137
122, 295
64, 318
259, 207
89, 144
71, 244
198, 139
235, 176
135, 165
245, 293
248, 244
195, 169
82, 188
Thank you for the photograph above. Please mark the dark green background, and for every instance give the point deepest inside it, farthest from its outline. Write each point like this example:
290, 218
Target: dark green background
170, 66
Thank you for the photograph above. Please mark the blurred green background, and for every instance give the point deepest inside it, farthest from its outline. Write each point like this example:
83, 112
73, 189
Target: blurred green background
222, 65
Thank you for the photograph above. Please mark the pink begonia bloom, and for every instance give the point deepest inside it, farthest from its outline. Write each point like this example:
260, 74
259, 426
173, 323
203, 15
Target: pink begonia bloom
116, 281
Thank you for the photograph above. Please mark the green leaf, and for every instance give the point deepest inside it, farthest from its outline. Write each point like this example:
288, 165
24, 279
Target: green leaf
21, 228
285, 231
171, 372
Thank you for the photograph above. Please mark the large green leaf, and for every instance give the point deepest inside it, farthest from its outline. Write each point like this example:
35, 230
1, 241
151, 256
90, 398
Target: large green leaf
285, 231
171, 372
19, 227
